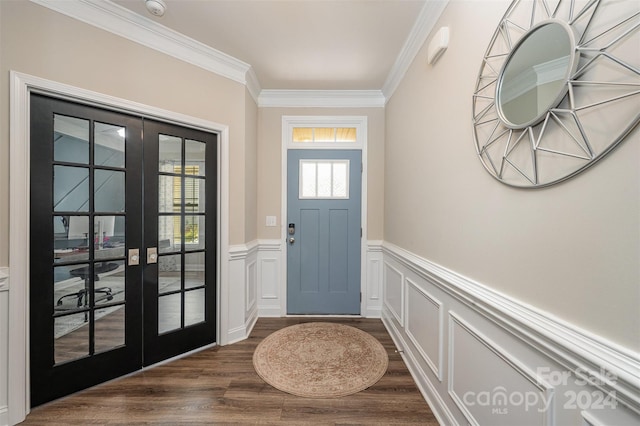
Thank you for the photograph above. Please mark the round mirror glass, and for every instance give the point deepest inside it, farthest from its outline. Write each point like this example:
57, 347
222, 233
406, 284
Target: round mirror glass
534, 77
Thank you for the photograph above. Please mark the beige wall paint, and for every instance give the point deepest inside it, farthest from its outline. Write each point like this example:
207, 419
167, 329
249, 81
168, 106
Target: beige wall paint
251, 168
46, 44
571, 250
270, 165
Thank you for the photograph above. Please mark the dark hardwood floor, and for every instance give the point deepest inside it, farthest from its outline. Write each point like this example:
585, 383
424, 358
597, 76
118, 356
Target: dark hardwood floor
220, 386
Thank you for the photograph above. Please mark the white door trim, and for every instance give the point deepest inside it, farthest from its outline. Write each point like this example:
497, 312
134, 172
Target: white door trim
360, 123
21, 87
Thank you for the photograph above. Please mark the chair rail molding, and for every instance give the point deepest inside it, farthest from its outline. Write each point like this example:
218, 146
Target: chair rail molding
543, 346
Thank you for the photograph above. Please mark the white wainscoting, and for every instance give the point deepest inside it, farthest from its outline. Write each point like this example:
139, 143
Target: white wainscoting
239, 306
271, 297
480, 357
373, 278
257, 286
4, 344
272, 287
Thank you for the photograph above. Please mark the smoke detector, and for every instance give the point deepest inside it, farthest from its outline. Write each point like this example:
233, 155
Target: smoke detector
155, 7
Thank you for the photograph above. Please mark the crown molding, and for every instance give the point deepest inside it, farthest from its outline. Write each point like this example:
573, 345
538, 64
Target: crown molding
421, 29
253, 84
121, 21
118, 20
321, 98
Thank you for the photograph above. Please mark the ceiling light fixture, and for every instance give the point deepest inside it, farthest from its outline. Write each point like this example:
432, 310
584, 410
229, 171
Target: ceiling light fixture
156, 7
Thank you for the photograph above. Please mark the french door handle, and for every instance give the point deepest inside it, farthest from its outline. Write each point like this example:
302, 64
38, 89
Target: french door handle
152, 255
134, 257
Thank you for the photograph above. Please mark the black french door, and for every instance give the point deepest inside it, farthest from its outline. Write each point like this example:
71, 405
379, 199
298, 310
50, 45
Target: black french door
123, 244
179, 288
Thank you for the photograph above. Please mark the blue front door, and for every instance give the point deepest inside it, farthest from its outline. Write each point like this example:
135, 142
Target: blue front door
324, 231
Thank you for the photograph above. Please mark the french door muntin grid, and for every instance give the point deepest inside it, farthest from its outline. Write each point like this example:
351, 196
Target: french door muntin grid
187, 213
87, 266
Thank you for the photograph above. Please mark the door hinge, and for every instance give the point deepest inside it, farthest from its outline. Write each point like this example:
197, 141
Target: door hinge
360, 297
360, 232
361, 167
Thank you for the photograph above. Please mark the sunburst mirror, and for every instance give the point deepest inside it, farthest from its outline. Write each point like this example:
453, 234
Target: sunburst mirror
558, 88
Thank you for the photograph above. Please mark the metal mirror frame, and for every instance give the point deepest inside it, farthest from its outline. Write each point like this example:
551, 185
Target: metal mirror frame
496, 141
571, 68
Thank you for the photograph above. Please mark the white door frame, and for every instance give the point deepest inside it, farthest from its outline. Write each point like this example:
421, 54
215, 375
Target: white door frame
360, 123
19, 209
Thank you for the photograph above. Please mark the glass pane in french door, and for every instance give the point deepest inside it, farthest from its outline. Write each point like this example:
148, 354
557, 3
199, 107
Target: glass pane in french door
85, 214
181, 232
88, 249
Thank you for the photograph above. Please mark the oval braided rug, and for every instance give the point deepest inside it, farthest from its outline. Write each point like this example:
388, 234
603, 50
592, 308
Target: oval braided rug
320, 360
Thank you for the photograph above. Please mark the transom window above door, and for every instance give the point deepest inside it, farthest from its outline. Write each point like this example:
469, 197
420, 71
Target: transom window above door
324, 132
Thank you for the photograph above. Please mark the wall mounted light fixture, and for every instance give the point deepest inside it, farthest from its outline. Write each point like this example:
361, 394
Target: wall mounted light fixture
438, 45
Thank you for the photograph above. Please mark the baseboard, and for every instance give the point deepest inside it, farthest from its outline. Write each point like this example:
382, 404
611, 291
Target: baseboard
251, 322
237, 334
373, 312
533, 352
269, 312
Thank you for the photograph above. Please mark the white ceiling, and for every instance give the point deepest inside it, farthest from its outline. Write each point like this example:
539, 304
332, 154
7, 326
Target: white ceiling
300, 44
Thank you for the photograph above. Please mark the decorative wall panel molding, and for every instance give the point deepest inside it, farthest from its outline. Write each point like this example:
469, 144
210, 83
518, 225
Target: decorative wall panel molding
4, 278
532, 350
394, 292
425, 325
251, 289
271, 301
495, 384
241, 313
430, 389
4, 415
372, 291
271, 278
4, 354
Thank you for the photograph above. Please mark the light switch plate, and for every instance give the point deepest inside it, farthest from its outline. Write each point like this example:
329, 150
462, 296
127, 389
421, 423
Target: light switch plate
271, 221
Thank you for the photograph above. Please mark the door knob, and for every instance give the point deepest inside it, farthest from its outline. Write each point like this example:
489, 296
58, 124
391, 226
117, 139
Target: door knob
292, 240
